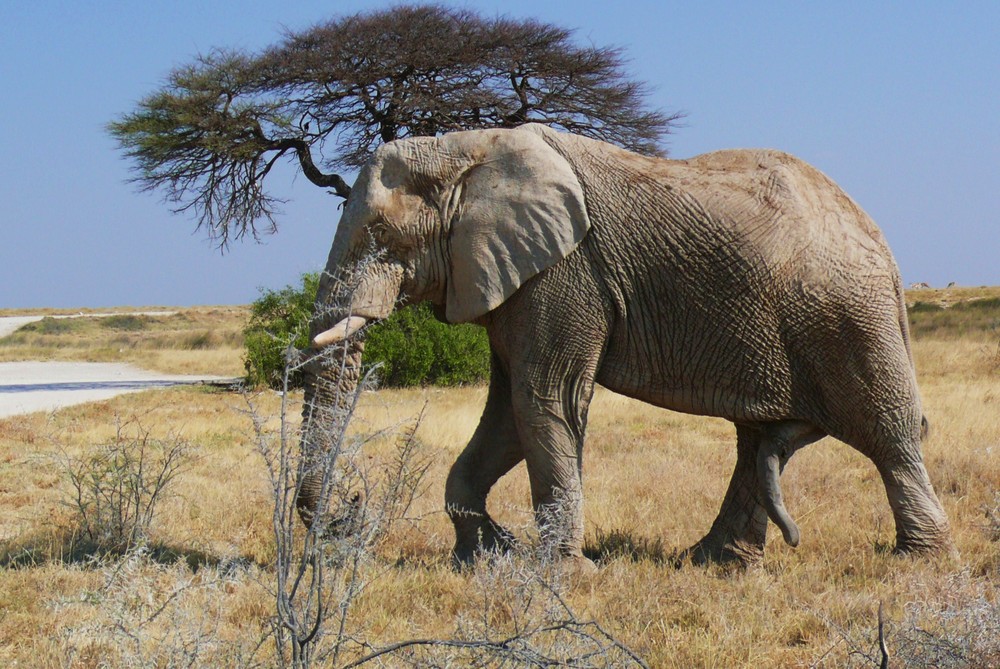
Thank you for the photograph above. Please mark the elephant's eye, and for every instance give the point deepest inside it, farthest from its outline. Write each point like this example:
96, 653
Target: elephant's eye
381, 233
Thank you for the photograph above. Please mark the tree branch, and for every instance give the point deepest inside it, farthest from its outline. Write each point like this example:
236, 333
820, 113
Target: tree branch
309, 169
513, 646
212, 134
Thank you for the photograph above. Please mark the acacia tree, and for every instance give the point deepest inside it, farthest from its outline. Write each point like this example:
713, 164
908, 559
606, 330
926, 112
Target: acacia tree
328, 96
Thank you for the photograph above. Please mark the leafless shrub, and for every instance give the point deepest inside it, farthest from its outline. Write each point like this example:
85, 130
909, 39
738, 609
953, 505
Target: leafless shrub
148, 614
401, 480
305, 594
117, 487
321, 569
518, 617
957, 625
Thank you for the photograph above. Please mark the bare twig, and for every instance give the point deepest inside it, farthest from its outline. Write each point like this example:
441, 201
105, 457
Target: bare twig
884, 664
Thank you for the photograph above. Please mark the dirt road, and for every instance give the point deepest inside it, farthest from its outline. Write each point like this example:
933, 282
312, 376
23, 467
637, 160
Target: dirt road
26, 387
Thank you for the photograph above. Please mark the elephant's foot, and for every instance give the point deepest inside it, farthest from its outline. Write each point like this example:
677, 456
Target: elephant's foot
921, 523
929, 544
476, 536
726, 551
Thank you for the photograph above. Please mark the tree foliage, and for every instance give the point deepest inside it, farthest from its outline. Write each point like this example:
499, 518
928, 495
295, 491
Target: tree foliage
328, 96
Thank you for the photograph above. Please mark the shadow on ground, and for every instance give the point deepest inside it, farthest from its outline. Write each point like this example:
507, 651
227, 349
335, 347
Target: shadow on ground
625, 544
70, 549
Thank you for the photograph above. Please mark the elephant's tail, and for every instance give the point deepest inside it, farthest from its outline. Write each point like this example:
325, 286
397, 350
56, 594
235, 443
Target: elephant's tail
904, 322
904, 328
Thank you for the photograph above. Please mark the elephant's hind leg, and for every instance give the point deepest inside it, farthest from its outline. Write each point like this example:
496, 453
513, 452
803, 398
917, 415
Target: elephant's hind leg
891, 437
921, 523
494, 450
738, 533
740, 530
895, 448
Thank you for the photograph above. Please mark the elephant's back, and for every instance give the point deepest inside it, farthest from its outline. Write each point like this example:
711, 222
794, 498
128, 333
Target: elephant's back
738, 184
783, 217
738, 278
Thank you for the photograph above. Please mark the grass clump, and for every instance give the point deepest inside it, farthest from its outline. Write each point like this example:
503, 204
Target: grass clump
200, 341
923, 307
960, 319
125, 322
54, 326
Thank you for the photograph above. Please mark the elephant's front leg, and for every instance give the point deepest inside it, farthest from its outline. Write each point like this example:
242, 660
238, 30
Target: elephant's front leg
739, 531
494, 450
551, 422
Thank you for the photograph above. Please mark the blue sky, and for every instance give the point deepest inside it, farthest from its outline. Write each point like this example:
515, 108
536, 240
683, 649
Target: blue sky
897, 102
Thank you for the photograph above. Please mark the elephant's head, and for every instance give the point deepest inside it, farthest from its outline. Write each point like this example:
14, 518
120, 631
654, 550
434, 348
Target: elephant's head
461, 220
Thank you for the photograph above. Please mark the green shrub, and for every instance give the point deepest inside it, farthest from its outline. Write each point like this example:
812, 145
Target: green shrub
412, 347
278, 319
416, 349
54, 326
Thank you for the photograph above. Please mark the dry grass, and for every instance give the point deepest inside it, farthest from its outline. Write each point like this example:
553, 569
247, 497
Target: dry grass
654, 481
949, 296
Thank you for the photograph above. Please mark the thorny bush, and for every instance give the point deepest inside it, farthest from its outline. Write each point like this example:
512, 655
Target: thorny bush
117, 487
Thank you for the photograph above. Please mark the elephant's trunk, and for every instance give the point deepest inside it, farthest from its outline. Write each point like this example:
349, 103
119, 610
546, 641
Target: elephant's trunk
368, 293
331, 385
768, 471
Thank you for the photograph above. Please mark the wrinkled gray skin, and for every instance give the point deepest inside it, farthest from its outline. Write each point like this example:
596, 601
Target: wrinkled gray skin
741, 284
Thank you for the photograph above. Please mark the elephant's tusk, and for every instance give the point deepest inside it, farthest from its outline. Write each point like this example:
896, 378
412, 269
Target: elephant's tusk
768, 471
339, 332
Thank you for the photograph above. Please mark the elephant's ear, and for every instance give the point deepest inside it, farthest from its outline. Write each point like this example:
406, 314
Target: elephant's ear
517, 211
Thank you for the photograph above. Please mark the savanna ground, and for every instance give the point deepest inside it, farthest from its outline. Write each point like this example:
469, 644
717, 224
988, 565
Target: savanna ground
654, 481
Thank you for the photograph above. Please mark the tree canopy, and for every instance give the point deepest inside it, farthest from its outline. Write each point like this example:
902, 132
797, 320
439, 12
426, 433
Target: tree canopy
328, 96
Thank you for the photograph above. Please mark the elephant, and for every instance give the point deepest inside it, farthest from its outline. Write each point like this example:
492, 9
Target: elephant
742, 284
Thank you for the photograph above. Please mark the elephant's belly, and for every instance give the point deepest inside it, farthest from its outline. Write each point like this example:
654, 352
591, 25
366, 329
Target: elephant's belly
729, 388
